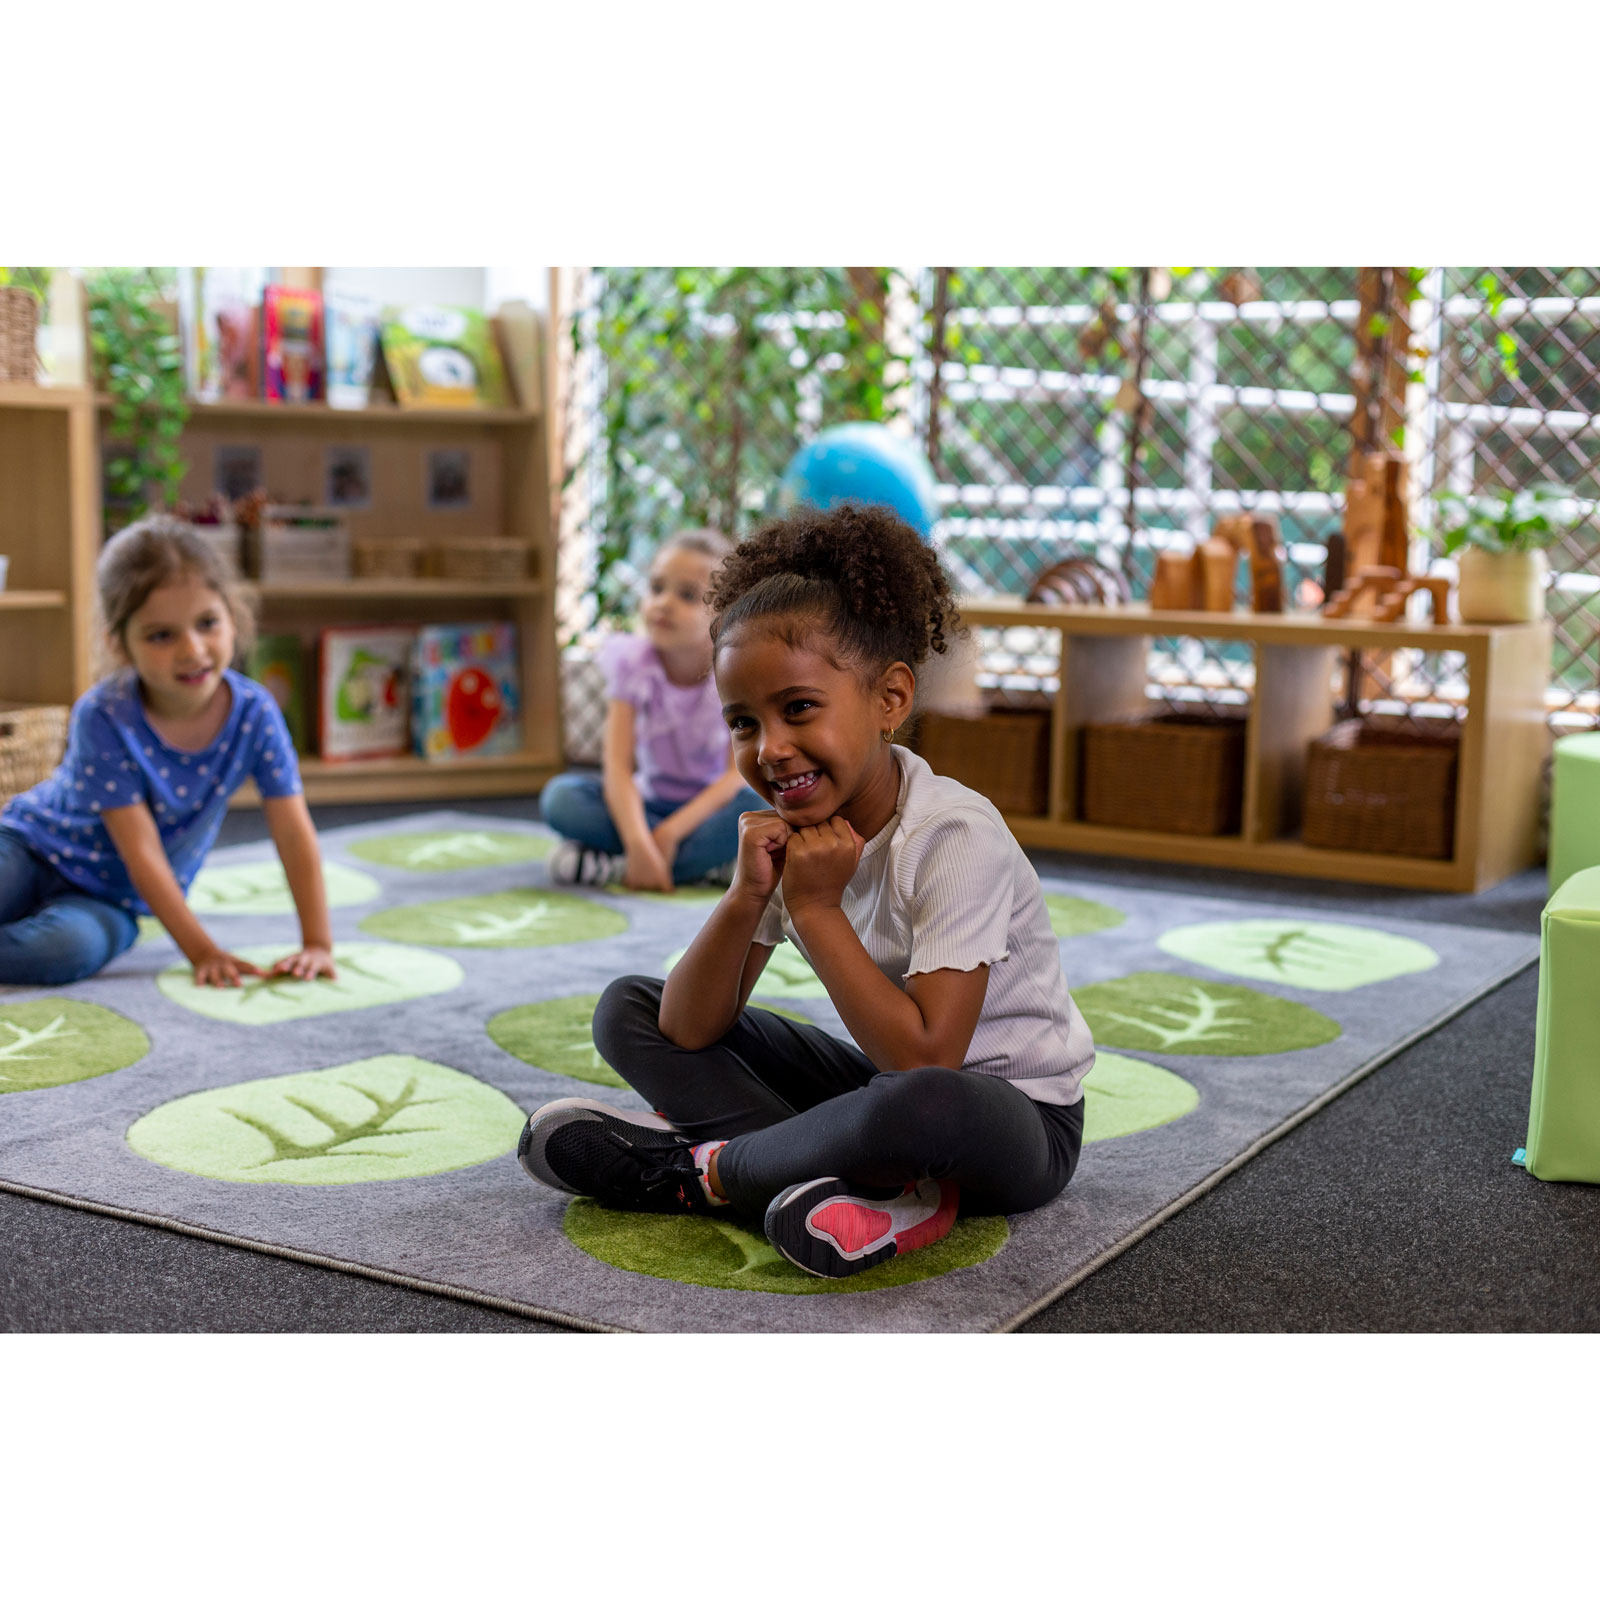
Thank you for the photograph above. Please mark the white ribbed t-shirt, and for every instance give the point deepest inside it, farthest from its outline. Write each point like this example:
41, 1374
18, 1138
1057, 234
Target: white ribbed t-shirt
944, 884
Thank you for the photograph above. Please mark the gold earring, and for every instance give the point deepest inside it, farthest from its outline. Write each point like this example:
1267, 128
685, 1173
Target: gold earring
888, 735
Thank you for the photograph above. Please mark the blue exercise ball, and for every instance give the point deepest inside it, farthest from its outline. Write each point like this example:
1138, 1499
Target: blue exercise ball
862, 461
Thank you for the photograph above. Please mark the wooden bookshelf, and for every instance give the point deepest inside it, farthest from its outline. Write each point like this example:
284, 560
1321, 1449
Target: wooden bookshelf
50, 531
1104, 672
412, 778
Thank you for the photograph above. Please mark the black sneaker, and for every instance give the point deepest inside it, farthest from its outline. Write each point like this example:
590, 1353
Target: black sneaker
832, 1228
629, 1160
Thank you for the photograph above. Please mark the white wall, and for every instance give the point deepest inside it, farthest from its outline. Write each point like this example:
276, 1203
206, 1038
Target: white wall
480, 288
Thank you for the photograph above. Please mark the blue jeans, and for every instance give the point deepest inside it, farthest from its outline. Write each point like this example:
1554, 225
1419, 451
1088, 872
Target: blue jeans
50, 930
575, 806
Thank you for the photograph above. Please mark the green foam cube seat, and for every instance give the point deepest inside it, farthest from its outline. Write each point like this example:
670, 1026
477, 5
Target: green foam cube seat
1564, 1111
1574, 806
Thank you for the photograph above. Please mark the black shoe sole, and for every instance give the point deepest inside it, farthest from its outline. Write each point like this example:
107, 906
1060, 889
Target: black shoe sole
786, 1231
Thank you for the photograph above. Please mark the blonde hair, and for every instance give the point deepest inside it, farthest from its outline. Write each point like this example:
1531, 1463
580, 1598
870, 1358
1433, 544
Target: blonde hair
703, 541
154, 551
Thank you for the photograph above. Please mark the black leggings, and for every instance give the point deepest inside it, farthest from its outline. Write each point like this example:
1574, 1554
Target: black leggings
795, 1103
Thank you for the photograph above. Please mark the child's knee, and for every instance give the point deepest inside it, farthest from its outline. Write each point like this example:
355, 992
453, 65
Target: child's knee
627, 1015
922, 1101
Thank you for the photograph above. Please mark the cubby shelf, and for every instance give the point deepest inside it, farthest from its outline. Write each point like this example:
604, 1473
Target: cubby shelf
412, 778
32, 599
355, 590
1103, 674
318, 413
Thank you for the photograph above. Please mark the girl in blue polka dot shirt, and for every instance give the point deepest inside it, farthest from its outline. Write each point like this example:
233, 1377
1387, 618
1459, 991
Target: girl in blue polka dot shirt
153, 753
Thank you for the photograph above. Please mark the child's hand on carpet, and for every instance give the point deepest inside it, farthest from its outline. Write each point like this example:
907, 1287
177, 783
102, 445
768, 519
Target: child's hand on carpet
315, 961
217, 969
647, 868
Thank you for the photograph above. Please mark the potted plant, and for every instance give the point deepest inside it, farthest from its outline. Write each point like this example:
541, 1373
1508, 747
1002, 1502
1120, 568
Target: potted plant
1499, 541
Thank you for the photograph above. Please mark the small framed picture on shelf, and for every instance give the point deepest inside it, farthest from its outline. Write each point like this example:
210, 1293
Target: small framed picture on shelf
236, 470
347, 477
449, 480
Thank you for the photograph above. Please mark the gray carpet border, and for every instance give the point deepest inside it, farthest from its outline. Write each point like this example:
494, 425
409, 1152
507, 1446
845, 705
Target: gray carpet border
1206, 1185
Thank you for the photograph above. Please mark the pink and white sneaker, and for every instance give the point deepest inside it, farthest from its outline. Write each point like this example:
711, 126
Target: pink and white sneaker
825, 1228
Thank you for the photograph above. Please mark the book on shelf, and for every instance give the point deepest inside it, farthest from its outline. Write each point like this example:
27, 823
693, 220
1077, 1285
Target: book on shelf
219, 314
291, 345
277, 662
517, 324
443, 356
352, 331
464, 691
363, 697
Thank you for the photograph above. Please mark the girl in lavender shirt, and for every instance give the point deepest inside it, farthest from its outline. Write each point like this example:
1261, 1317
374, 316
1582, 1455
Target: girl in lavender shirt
665, 809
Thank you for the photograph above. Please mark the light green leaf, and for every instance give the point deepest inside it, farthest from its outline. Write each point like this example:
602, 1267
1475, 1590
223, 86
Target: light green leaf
385, 1117
1310, 955
721, 1253
48, 1042
1174, 1015
260, 889
1070, 916
509, 918
1123, 1096
558, 1036
453, 850
369, 975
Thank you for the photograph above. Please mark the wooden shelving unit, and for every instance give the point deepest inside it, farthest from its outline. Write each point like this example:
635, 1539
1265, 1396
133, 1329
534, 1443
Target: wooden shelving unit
50, 530
1104, 657
511, 499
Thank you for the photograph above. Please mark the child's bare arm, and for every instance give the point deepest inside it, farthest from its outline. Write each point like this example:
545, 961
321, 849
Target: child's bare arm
647, 868
671, 831
289, 823
707, 990
931, 1021
133, 831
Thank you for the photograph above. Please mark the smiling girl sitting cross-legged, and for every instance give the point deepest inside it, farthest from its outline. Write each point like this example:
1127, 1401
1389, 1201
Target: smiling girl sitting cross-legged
911, 900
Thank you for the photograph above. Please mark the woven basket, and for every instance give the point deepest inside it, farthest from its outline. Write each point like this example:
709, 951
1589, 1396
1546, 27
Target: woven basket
1003, 754
19, 321
480, 560
1170, 773
387, 558
1382, 789
32, 739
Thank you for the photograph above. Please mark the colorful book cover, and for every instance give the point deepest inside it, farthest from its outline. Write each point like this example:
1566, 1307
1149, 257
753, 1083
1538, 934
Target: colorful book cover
352, 323
277, 663
464, 692
219, 316
443, 356
291, 345
363, 696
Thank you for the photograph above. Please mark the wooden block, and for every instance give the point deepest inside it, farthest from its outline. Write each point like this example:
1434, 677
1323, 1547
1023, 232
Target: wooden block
1172, 586
1218, 561
1266, 566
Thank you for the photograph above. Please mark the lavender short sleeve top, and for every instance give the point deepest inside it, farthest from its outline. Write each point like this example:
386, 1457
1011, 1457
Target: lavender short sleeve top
680, 741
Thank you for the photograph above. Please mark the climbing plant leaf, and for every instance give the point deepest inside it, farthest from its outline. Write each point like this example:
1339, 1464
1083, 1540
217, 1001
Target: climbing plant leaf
511, 917
391, 1116
1175, 1015
1308, 955
44, 1043
452, 850
369, 975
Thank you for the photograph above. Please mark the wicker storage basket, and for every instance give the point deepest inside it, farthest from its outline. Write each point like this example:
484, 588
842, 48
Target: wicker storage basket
1381, 789
387, 558
19, 321
1170, 773
1004, 754
480, 560
32, 739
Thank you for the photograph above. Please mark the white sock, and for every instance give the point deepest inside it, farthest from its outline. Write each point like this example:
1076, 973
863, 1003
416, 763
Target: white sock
702, 1154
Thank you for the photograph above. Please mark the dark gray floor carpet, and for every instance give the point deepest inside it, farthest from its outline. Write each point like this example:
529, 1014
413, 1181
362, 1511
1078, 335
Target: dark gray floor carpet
1396, 1208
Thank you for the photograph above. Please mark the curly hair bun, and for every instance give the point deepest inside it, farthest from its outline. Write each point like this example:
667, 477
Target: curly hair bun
859, 573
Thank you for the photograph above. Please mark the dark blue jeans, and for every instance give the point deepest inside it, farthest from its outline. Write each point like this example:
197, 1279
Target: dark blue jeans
50, 930
575, 806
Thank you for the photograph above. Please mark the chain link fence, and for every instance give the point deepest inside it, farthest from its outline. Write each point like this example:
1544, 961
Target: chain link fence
1101, 413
